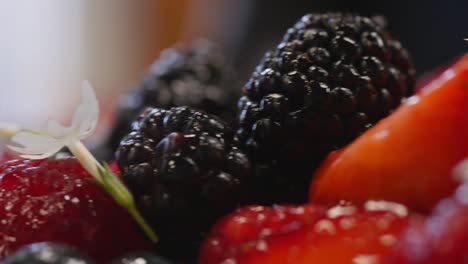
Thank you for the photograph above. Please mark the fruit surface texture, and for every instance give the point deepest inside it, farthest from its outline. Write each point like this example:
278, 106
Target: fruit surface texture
306, 234
185, 171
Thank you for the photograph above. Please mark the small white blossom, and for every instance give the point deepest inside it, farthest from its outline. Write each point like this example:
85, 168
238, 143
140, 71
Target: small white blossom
40, 145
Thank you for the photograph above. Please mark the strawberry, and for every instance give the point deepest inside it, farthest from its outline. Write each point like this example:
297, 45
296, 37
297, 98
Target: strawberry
54, 200
407, 157
305, 234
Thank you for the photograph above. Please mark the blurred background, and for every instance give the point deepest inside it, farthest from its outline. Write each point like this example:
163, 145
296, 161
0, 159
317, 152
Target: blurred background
48, 47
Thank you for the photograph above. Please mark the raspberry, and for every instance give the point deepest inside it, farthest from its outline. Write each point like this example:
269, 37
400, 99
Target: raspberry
54, 200
46, 253
185, 171
196, 76
332, 77
6, 155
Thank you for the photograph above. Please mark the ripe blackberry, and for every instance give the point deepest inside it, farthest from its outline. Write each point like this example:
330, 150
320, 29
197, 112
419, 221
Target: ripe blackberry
46, 253
185, 171
196, 76
332, 77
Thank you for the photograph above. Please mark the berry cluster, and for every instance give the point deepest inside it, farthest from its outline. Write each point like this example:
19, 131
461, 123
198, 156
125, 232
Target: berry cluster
322, 120
332, 77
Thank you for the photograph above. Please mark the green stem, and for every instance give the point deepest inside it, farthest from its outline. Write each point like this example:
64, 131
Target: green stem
87, 160
104, 176
142, 223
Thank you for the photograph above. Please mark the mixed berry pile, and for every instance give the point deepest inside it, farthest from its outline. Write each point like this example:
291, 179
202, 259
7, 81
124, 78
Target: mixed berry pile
329, 157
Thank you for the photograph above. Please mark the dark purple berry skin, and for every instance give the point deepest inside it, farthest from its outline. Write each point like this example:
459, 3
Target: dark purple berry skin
185, 171
332, 77
46, 253
196, 76
142, 257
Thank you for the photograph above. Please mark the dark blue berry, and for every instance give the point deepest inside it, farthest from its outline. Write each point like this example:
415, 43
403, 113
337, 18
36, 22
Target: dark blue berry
46, 253
141, 258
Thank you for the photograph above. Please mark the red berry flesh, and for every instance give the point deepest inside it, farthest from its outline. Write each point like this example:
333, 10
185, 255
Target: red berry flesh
54, 200
307, 234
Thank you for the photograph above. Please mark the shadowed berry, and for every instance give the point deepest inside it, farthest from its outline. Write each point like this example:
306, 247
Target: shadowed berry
196, 75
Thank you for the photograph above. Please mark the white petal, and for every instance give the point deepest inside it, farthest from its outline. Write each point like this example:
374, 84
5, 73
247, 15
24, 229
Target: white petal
34, 142
86, 114
35, 146
41, 155
57, 130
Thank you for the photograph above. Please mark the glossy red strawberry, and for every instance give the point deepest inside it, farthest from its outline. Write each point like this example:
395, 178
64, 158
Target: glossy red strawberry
407, 157
54, 200
305, 234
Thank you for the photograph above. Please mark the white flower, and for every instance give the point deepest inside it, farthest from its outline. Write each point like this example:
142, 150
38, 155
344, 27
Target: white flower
40, 145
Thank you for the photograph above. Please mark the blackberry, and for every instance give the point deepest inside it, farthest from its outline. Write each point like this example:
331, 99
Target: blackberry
46, 253
185, 171
196, 76
140, 258
332, 77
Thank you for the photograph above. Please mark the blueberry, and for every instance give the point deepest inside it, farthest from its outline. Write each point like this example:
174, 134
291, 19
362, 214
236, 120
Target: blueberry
46, 253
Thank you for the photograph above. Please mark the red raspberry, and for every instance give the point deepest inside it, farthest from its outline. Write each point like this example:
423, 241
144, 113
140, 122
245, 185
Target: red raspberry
6, 155
54, 200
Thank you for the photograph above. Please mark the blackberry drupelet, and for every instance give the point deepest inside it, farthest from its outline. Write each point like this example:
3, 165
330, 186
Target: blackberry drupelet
46, 253
196, 76
185, 171
332, 77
